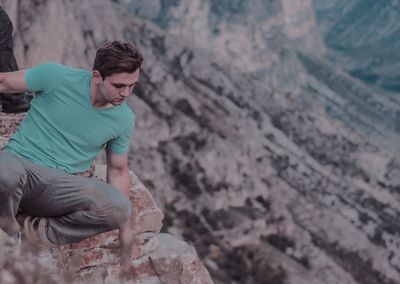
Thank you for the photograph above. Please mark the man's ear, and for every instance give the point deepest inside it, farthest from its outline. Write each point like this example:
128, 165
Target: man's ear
97, 77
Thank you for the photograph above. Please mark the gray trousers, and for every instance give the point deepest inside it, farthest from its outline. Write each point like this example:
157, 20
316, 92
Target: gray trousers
72, 208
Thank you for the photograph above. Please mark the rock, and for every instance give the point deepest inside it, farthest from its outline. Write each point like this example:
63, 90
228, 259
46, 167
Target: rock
155, 255
9, 123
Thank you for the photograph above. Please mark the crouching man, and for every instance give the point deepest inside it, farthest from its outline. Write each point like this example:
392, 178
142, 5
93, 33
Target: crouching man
74, 115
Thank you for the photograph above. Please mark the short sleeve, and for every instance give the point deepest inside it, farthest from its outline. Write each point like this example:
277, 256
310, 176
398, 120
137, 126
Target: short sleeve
44, 76
120, 144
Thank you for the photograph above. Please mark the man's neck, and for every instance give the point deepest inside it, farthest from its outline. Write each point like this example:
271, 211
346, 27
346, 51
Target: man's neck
95, 97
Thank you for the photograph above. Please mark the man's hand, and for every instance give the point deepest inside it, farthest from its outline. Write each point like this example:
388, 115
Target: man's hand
118, 176
126, 246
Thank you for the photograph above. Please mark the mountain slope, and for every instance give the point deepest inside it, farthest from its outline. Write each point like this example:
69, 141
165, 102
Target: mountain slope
240, 167
363, 38
264, 39
257, 37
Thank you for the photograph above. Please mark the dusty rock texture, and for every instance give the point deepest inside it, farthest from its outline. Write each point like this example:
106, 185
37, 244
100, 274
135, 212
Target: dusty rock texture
267, 189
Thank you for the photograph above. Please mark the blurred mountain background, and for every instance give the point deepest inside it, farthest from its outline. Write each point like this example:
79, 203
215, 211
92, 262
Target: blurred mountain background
362, 37
302, 47
268, 131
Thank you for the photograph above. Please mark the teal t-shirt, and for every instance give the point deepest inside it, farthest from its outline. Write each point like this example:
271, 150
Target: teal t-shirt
62, 129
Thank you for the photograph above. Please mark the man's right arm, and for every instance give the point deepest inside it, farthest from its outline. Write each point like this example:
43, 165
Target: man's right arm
13, 82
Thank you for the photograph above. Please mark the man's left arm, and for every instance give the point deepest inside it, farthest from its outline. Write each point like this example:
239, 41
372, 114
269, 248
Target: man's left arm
118, 176
118, 172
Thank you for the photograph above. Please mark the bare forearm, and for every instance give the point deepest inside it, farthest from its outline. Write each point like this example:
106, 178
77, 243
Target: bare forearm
119, 179
11, 82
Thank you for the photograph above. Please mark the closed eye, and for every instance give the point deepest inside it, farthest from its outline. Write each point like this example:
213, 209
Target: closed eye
120, 86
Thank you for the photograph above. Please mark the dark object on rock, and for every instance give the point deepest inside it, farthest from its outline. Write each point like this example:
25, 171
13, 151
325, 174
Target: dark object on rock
11, 103
15, 103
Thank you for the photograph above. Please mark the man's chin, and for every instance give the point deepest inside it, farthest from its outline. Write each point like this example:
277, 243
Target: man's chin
117, 103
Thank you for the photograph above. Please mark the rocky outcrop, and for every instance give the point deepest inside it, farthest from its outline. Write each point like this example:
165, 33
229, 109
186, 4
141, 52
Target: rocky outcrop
157, 257
267, 188
8, 125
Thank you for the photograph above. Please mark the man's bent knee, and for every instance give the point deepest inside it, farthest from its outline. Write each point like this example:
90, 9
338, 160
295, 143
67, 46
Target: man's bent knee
122, 211
111, 205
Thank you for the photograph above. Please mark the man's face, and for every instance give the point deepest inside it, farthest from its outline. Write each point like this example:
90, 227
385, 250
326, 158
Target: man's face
115, 88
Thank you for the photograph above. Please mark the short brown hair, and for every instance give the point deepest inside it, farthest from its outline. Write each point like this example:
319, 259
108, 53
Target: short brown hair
117, 57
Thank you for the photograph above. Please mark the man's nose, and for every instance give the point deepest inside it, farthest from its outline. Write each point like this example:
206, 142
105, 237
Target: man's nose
125, 91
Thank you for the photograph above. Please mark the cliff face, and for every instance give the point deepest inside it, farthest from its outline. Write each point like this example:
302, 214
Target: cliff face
257, 37
253, 175
266, 188
266, 39
362, 44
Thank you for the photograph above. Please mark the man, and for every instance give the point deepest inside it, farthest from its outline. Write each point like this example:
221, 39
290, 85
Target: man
74, 115
11, 103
